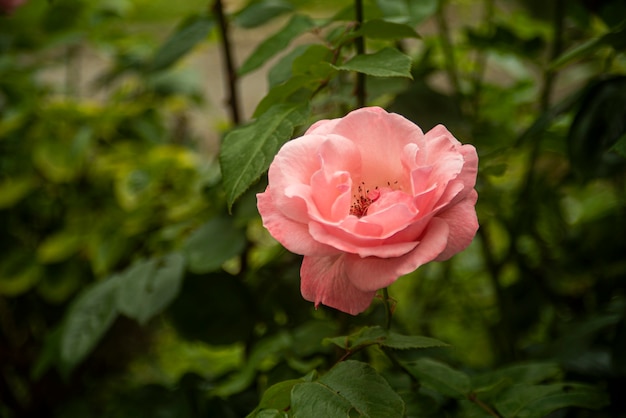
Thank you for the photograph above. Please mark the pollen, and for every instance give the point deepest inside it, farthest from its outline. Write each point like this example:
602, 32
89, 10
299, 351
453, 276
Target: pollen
363, 199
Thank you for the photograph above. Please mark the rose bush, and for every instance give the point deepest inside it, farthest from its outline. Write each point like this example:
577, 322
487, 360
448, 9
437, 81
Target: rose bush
367, 198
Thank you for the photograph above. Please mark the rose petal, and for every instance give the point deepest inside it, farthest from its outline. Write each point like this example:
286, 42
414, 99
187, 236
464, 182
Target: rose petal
324, 281
292, 235
374, 273
463, 223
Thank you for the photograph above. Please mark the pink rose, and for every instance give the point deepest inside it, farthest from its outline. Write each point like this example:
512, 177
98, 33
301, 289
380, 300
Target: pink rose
366, 199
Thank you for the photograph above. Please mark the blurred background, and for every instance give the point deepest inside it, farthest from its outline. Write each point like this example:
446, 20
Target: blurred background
128, 288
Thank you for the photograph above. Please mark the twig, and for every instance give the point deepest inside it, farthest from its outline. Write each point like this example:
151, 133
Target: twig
231, 73
360, 50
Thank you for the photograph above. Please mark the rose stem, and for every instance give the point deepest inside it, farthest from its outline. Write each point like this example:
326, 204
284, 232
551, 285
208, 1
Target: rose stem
387, 308
231, 74
360, 50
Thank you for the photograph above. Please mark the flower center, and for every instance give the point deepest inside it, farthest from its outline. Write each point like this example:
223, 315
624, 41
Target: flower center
365, 196
363, 199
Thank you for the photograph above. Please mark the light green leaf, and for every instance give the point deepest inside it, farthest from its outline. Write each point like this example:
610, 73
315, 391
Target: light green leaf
526, 401
257, 13
149, 286
59, 246
87, 320
382, 29
276, 43
212, 244
12, 190
440, 377
191, 32
387, 62
407, 11
350, 385
248, 150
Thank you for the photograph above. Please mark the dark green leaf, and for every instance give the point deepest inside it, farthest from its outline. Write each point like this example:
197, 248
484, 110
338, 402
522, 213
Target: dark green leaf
598, 126
248, 151
519, 373
257, 13
350, 385
440, 377
149, 286
378, 335
276, 398
86, 321
191, 32
276, 43
387, 62
526, 401
382, 29
281, 71
212, 244
297, 89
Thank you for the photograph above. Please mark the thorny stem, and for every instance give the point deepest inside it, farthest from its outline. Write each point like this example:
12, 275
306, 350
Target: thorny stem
360, 50
231, 73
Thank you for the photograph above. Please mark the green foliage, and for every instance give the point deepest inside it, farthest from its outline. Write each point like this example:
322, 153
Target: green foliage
136, 278
248, 151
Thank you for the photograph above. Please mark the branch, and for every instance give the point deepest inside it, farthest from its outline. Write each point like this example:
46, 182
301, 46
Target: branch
231, 73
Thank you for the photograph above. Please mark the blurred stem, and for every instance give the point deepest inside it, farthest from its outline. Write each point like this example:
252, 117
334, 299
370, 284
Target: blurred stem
448, 49
387, 308
481, 59
556, 48
501, 334
231, 73
549, 77
360, 50
485, 407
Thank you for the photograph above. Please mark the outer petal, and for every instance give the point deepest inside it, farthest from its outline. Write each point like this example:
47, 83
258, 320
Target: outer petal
374, 273
463, 223
324, 281
292, 235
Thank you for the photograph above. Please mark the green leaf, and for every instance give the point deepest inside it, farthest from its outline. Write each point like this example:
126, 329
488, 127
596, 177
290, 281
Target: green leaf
526, 401
615, 38
297, 89
192, 31
350, 385
248, 151
276, 398
378, 335
598, 126
530, 373
440, 377
407, 11
257, 13
149, 286
19, 272
86, 321
382, 29
388, 62
276, 43
12, 190
59, 246
281, 71
212, 244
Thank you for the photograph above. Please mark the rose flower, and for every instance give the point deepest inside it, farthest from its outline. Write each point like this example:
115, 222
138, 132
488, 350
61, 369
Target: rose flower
366, 199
